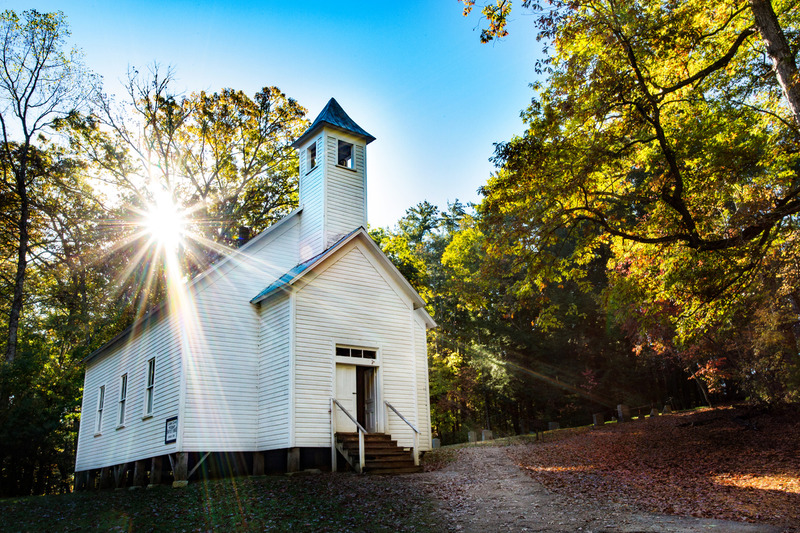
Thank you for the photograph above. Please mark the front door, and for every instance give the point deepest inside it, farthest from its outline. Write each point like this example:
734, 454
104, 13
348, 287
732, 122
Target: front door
367, 398
346, 395
355, 391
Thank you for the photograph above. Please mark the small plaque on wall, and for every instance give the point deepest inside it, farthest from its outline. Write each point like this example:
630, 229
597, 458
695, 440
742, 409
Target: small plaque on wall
171, 431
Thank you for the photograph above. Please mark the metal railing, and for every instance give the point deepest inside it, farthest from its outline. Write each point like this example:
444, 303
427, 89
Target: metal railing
361, 433
416, 431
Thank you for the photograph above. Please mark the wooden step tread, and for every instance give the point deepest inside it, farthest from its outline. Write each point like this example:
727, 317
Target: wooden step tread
392, 470
371, 445
382, 455
380, 463
368, 436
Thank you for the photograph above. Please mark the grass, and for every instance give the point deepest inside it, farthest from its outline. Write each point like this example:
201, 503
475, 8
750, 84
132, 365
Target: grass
324, 502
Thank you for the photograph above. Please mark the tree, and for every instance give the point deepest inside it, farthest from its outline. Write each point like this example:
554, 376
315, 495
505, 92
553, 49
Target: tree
667, 134
224, 159
503, 355
40, 81
67, 310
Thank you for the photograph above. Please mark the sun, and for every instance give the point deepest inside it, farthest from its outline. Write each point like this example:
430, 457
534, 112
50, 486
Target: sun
165, 223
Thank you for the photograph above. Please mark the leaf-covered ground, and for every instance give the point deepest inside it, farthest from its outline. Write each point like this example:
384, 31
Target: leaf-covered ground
727, 463
324, 502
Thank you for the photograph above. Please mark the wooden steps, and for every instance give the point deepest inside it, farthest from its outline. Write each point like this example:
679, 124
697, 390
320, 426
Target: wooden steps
382, 455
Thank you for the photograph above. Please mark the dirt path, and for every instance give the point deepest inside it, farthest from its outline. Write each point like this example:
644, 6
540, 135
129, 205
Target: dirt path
484, 491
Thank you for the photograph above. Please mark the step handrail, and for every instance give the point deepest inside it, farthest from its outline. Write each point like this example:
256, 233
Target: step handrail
361, 433
412, 426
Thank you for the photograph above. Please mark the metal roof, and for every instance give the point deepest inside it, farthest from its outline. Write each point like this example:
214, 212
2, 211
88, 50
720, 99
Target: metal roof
285, 280
333, 115
296, 271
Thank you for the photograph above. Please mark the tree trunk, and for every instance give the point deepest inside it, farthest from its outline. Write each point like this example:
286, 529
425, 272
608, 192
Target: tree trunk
783, 62
702, 389
22, 259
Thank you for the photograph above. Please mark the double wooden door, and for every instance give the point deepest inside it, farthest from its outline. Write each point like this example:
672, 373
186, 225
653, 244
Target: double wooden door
356, 391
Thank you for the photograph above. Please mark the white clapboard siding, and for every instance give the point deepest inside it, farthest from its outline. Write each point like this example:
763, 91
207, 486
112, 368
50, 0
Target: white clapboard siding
351, 302
312, 195
274, 374
141, 438
345, 192
423, 392
221, 411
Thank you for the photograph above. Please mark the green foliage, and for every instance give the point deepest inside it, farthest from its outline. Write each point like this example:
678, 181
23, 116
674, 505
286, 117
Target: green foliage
65, 308
663, 144
39, 421
40, 82
511, 350
45, 234
224, 158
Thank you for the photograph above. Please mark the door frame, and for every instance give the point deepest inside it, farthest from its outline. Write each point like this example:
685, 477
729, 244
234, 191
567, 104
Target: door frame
365, 373
358, 362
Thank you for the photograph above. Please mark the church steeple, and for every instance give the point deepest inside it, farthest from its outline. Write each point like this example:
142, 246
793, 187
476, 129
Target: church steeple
334, 116
333, 179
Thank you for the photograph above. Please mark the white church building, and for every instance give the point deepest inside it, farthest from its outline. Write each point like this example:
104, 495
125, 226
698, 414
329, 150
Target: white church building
303, 348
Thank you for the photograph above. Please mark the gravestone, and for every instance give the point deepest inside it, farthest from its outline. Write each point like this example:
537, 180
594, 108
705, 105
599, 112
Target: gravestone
486, 434
598, 419
436, 443
624, 413
553, 425
472, 436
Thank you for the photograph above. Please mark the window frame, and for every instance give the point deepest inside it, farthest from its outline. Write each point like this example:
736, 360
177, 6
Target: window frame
149, 388
98, 421
123, 400
373, 360
311, 159
352, 165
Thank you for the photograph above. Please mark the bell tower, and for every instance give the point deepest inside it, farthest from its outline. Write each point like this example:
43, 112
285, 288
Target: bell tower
333, 179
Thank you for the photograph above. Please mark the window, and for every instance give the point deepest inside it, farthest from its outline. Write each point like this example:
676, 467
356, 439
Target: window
346, 156
150, 380
311, 157
360, 353
100, 400
123, 395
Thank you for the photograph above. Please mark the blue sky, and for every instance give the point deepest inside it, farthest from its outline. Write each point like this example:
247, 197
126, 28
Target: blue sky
413, 74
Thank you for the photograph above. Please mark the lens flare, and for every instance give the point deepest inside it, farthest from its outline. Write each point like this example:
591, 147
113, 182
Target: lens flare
165, 222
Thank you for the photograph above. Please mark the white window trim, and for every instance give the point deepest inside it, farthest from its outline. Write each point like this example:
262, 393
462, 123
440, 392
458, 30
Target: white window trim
358, 361
101, 400
123, 400
309, 166
352, 155
149, 389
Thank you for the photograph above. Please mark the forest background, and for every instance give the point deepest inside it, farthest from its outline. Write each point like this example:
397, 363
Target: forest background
636, 245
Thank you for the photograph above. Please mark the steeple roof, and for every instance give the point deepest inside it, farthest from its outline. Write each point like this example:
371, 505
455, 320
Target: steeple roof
333, 115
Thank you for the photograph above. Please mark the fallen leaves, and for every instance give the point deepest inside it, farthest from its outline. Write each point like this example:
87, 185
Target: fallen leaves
702, 463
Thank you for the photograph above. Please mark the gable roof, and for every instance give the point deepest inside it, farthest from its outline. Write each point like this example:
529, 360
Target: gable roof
295, 274
333, 115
